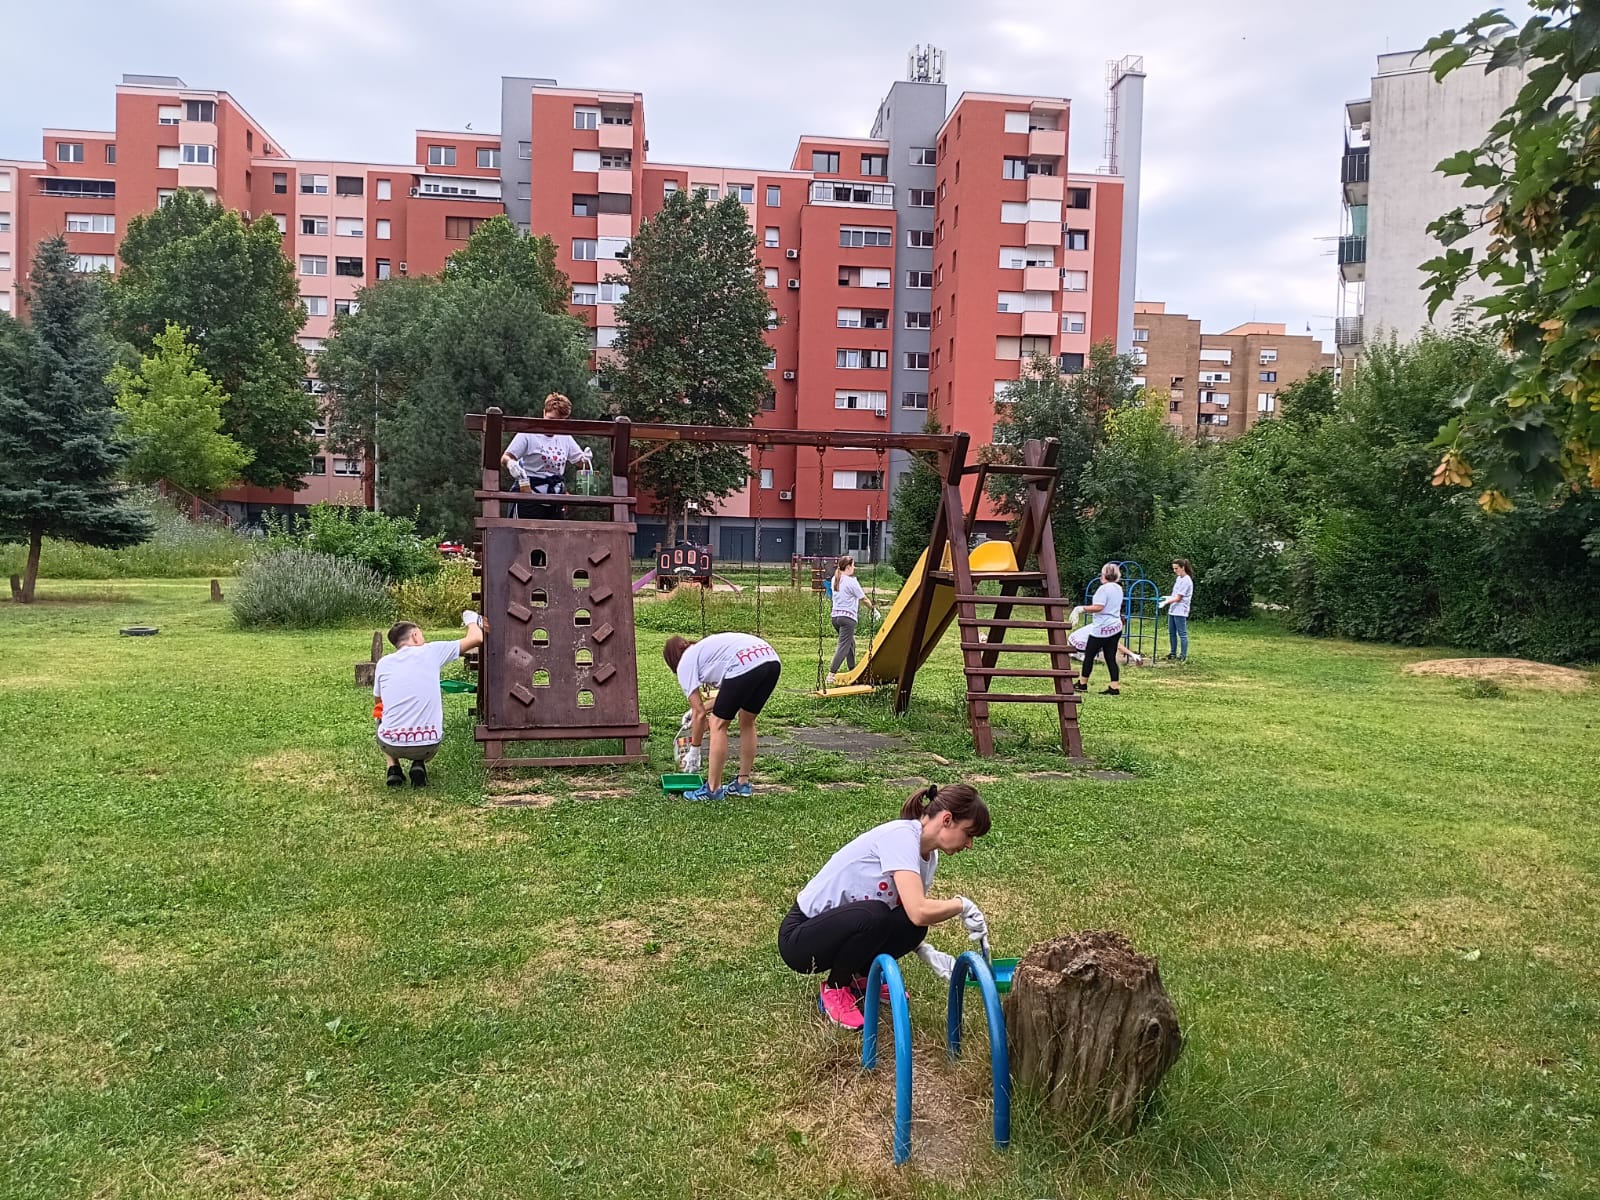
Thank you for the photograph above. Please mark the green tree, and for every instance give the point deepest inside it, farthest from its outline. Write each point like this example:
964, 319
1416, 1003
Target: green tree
173, 413
59, 446
915, 504
1538, 427
497, 253
198, 265
691, 345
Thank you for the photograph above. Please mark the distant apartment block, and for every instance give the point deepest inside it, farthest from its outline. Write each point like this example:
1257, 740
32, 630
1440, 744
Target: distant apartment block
862, 244
1217, 385
1394, 138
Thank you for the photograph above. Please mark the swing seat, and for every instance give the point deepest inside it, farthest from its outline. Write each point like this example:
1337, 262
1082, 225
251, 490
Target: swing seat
849, 689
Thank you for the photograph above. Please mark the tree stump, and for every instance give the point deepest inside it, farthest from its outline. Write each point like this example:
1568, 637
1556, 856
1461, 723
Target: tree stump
216, 591
1091, 1029
366, 672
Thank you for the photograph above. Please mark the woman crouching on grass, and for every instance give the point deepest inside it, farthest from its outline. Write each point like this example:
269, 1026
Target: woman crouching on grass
872, 898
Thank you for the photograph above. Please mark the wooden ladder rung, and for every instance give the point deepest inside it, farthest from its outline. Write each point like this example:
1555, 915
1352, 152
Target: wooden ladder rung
1014, 469
1022, 673
1049, 601
992, 576
1017, 647
1025, 697
1008, 623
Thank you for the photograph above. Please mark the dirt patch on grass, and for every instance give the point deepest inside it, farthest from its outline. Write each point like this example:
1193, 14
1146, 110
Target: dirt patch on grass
1509, 672
302, 766
123, 959
1417, 928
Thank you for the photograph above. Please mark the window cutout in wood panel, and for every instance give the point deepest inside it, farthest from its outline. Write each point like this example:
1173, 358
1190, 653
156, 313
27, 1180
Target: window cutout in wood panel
584, 658
541, 637
580, 618
580, 579
537, 559
539, 598
541, 679
585, 699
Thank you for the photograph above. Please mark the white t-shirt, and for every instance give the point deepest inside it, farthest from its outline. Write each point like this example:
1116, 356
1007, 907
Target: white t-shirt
864, 869
1183, 589
543, 455
847, 597
407, 682
1109, 619
721, 656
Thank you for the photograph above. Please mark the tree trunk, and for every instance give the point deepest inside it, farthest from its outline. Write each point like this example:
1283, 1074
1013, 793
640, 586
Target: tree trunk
672, 528
1091, 1029
30, 575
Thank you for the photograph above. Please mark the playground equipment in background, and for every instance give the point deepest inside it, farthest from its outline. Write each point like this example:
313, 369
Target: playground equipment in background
886, 971
1141, 614
559, 660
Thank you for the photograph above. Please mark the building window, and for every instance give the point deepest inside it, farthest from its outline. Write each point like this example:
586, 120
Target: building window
488, 159
916, 400
874, 164
919, 239
1141, 335
459, 229
313, 264
349, 227
90, 263
774, 196
616, 160
346, 308
862, 360
1077, 197
770, 238
766, 478
347, 467
1072, 364
825, 162
280, 183
745, 191
169, 114
916, 360
200, 110
381, 268
919, 279
1015, 168
316, 306
1269, 377
921, 198
313, 185
586, 118
1266, 402
924, 156
200, 155
69, 152
771, 274
384, 189
858, 481
1269, 356
919, 320
319, 465
584, 205
847, 401
103, 189
313, 226
91, 223
353, 268
708, 190
855, 235
848, 318
5, 222
613, 293
441, 156
612, 247
1074, 281
111, 153
1073, 322
669, 189
584, 249
585, 295
525, 192
383, 231
1077, 239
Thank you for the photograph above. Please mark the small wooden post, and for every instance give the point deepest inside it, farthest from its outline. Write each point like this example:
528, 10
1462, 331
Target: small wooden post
216, 592
366, 672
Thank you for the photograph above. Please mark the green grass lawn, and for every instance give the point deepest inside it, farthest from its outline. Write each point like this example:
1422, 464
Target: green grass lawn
232, 964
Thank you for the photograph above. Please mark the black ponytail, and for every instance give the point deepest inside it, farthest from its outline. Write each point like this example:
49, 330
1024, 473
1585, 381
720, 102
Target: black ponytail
960, 800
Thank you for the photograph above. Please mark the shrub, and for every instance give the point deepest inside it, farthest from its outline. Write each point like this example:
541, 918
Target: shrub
179, 548
437, 599
388, 545
300, 589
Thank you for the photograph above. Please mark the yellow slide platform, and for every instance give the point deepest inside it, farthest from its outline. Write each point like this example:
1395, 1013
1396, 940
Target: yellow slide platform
892, 650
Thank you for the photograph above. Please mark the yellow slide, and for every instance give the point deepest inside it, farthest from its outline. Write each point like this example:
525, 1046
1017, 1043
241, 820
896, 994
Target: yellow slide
891, 649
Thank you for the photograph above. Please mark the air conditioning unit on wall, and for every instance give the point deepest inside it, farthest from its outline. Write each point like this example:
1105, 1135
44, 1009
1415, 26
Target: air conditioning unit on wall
788, 375
794, 285
785, 495
791, 254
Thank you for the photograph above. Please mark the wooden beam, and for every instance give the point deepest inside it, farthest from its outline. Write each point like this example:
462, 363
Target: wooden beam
827, 439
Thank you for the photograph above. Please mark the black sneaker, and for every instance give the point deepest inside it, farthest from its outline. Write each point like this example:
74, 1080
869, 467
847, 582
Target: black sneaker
1110, 692
396, 776
1170, 657
419, 775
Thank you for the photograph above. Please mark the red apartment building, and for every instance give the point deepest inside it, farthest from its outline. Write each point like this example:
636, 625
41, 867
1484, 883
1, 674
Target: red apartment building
862, 243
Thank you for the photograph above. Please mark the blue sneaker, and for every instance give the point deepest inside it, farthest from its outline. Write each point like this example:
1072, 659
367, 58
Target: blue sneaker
741, 788
705, 793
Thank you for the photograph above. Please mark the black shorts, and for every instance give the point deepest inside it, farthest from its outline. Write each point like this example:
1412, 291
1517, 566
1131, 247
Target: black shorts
748, 692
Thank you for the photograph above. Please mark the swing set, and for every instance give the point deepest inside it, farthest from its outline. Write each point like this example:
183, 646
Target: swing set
559, 661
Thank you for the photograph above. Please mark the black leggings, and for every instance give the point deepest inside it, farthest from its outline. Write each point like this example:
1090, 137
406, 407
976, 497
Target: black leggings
1106, 646
843, 941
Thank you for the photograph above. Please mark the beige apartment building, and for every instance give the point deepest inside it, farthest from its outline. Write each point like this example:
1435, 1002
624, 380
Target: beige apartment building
1219, 384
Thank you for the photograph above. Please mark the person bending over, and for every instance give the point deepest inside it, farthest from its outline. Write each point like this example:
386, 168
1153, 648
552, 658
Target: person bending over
847, 598
538, 461
872, 898
744, 670
410, 708
1105, 630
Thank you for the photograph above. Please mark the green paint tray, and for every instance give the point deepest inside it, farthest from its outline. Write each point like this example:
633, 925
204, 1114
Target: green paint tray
457, 685
1003, 969
681, 783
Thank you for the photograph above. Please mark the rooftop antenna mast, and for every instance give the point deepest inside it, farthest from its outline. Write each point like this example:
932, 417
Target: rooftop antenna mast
925, 64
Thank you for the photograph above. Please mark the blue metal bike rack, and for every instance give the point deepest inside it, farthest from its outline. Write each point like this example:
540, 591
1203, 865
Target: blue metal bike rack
886, 970
999, 1056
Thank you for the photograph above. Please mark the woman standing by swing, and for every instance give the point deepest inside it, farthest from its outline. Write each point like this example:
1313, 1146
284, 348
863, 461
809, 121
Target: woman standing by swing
847, 598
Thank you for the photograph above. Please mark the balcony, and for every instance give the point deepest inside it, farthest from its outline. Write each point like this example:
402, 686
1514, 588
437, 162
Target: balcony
616, 179
1041, 279
1347, 331
1047, 143
1046, 187
1353, 170
616, 137
1042, 233
1353, 258
1041, 323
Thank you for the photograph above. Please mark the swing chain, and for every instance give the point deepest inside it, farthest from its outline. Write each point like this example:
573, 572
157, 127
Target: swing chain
760, 458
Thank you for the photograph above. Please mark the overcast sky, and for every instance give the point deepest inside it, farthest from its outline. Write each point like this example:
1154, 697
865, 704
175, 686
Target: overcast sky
1243, 105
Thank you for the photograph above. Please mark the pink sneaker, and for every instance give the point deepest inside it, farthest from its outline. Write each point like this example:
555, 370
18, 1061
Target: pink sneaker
859, 986
841, 1006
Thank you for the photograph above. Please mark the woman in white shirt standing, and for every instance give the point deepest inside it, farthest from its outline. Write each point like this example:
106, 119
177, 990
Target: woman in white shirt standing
744, 670
538, 461
872, 898
1105, 630
1177, 606
847, 598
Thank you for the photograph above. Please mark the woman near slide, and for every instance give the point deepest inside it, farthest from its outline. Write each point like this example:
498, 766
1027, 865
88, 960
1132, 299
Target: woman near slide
872, 898
847, 598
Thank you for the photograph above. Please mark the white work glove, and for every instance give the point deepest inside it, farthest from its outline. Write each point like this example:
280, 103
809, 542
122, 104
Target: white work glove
691, 760
972, 917
687, 723
517, 472
940, 963
1164, 603
1075, 615
470, 618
